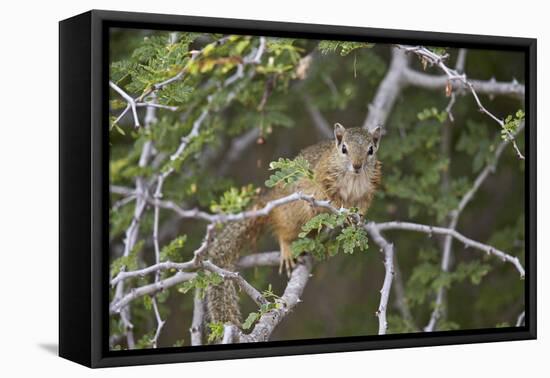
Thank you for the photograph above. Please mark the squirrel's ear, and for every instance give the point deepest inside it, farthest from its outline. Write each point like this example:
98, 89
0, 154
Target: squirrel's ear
339, 131
376, 134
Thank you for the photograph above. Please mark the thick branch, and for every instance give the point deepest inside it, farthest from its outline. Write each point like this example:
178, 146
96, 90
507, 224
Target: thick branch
259, 259
223, 218
290, 298
387, 92
198, 319
489, 87
254, 294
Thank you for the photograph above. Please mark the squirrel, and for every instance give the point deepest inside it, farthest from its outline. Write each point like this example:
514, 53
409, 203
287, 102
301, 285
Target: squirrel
346, 172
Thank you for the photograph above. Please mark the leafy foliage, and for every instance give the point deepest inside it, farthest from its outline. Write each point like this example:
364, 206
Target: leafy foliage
288, 171
264, 308
172, 251
511, 124
146, 341
351, 237
201, 282
344, 48
128, 262
234, 200
432, 113
427, 277
215, 331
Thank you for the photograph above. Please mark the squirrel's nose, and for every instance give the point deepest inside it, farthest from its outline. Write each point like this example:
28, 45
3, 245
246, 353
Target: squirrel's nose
357, 166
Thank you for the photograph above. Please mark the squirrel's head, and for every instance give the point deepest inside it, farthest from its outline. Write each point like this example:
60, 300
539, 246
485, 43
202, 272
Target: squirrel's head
356, 147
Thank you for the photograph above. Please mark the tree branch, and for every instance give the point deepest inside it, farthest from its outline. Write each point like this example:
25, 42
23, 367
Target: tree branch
395, 225
223, 218
387, 248
511, 89
454, 217
179, 277
387, 92
259, 259
129, 100
320, 123
237, 147
453, 77
290, 298
521, 319
198, 319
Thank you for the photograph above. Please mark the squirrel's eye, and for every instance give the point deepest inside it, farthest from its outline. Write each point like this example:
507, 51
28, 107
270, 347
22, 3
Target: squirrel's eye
371, 151
344, 149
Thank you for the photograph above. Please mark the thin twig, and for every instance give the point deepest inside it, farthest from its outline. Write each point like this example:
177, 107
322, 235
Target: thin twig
320, 123
454, 217
387, 248
454, 76
129, 100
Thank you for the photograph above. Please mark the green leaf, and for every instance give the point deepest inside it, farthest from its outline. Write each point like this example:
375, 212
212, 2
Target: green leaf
324, 220
127, 262
250, 320
147, 302
215, 331
511, 125
288, 171
313, 246
432, 113
234, 200
172, 250
179, 343
201, 282
345, 48
352, 238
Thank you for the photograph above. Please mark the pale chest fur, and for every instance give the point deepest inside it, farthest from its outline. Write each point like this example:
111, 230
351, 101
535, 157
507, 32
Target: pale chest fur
353, 188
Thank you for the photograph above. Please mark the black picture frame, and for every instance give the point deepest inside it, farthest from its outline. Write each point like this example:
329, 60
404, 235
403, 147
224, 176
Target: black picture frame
83, 195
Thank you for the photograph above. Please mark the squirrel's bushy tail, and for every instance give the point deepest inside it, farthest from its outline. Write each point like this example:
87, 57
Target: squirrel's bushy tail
222, 301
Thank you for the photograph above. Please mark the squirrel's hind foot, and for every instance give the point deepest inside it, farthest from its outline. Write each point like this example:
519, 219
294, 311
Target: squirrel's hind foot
287, 261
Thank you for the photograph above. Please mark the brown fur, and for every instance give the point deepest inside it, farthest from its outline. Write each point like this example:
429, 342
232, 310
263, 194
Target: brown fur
228, 244
335, 179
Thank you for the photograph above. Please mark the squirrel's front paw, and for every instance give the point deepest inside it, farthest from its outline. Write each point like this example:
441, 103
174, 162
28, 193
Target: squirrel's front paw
287, 261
